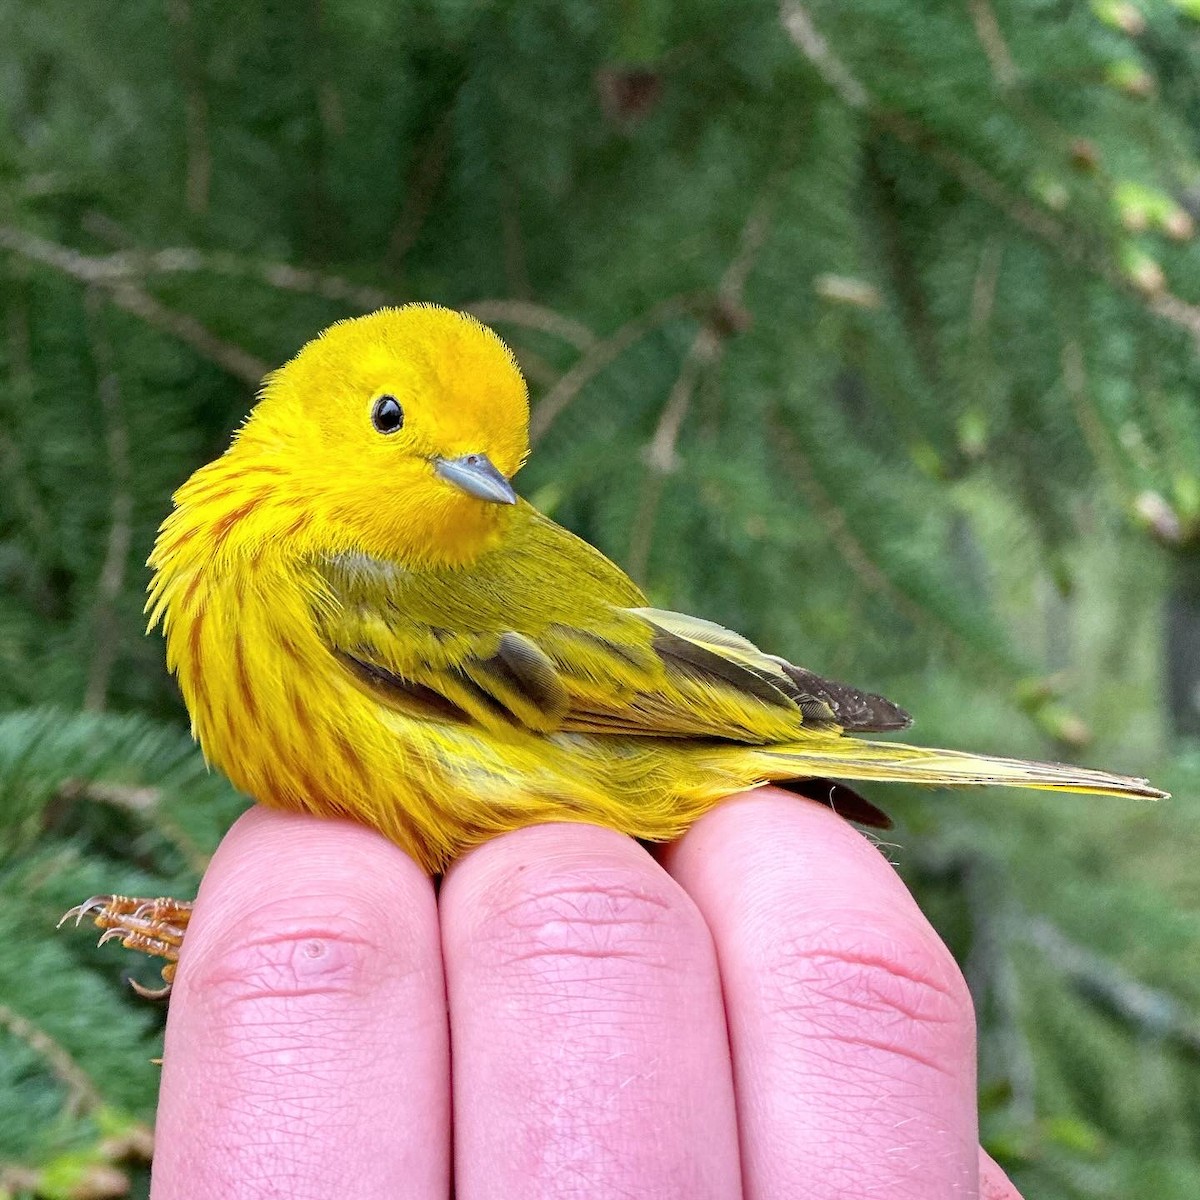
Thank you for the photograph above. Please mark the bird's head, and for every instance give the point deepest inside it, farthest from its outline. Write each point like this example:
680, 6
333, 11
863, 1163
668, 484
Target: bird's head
398, 433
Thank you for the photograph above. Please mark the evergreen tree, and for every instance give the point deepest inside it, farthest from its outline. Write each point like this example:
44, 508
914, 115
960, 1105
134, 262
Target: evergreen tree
868, 330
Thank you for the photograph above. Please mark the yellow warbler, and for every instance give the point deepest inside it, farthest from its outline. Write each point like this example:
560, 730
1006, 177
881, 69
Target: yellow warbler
366, 621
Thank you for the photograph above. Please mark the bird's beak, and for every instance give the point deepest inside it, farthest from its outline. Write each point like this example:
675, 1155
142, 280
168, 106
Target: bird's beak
475, 475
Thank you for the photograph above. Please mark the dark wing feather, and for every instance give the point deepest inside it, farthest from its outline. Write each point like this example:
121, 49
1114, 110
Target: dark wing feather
523, 678
862, 712
697, 661
547, 634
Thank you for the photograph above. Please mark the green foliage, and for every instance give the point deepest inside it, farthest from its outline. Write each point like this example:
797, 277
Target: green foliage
867, 329
87, 801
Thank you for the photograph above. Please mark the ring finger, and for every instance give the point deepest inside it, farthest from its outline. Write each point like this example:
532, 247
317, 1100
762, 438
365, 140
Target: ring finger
851, 1028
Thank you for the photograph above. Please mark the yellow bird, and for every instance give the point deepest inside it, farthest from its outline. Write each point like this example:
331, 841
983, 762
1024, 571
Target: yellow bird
367, 622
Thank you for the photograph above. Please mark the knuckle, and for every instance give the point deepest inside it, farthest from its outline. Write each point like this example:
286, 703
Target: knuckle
285, 952
893, 991
569, 912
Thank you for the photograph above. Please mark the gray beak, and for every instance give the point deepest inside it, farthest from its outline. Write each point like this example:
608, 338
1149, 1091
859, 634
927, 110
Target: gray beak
475, 475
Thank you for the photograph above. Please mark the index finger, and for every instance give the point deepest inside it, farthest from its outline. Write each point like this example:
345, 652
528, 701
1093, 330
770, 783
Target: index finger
851, 1027
306, 1048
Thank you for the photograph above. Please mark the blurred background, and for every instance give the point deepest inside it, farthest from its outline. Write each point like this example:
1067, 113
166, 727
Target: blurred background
870, 330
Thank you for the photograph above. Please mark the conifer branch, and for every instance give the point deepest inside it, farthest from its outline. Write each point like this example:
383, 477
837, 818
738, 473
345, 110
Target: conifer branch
1017, 208
853, 552
860, 561
12, 460
235, 361
134, 264
426, 176
120, 529
1072, 243
1150, 1010
143, 802
703, 355
601, 354
904, 279
1103, 452
82, 1093
115, 272
124, 295
199, 153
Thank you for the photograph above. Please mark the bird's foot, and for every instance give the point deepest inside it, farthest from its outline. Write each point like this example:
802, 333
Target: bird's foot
155, 927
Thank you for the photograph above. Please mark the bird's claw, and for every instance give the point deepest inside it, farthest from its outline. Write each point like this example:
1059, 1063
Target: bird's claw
91, 904
154, 927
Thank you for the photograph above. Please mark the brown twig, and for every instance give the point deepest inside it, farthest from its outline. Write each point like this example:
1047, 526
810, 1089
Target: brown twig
536, 317
704, 352
599, 355
991, 38
120, 527
1179, 312
808, 39
106, 272
659, 454
130, 267
983, 294
534, 367
184, 327
113, 278
140, 799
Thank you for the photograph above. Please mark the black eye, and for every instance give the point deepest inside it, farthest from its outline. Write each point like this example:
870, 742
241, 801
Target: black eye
387, 416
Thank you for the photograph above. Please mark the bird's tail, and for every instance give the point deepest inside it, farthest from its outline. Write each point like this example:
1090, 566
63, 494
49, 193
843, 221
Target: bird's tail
849, 758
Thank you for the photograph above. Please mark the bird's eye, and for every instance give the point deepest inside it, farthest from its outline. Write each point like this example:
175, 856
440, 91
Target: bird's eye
387, 416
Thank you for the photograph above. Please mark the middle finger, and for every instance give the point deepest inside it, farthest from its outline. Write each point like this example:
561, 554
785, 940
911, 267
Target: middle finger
588, 1034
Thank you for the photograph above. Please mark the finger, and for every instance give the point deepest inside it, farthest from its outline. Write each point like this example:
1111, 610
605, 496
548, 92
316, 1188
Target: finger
590, 1053
307, 1033
994, 1184
851, 1028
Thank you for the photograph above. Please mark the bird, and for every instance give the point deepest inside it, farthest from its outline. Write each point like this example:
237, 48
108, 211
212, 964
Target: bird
366, 621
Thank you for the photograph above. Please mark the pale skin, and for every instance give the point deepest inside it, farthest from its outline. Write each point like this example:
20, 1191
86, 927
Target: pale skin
760, 1011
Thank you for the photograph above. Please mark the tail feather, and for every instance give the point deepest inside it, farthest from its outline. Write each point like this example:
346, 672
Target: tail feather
849, 758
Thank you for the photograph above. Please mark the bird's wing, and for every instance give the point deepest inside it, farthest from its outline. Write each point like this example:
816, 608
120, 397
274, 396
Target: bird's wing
545, 633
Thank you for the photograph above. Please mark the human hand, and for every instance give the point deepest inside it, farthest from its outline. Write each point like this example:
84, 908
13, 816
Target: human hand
587, 989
